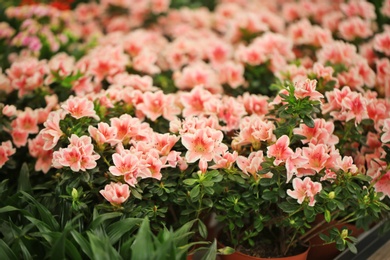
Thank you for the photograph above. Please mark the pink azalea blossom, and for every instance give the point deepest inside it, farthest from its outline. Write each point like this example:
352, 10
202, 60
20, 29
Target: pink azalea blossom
307, 88
6, 151
317, 157
382, 184
385, 138
203, 145
52, 131
116, 193
79, 155
79, 107
280, 150
305, 189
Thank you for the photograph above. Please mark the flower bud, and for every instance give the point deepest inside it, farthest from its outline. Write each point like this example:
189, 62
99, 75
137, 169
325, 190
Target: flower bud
344, 233
331, 195
75, 194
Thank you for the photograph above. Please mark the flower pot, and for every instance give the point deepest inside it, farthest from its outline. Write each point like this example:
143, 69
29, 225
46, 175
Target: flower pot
240, 256
329, 251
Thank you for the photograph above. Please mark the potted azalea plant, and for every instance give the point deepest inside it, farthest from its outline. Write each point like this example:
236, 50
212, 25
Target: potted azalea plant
281, 185
213, 124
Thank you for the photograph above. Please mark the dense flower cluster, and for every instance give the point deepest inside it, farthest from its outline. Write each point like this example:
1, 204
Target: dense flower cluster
134, 93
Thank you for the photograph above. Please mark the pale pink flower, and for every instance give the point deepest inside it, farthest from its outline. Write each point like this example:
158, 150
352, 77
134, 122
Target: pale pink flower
26, 121
352, 79
346, 164
104, 133
225, 161
195, 101
158, 104
6, 151
127, 127
230, 112
154, 165
9, 110
79, 107
382, 43
164, 142
254, 130
338, 52
307, 88
355, 27
5, 83
255, 104
252, 164
52, 131
321, 133
219, 52
44, 157
305, 189
127, 165
203, 145
19, 137
145, 62
385, 10
26, 75
317, 157
363, 9
107, 61
295, 162
197, 74
159, 6
60, 64
385, 138
232, 74
116, 193
383, 184
280, 150
79, 155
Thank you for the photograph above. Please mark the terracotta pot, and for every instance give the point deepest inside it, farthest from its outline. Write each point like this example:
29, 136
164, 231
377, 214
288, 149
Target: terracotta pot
326, 252
241, 256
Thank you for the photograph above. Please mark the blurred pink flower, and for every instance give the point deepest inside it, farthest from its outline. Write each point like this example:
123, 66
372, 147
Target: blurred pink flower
116, 193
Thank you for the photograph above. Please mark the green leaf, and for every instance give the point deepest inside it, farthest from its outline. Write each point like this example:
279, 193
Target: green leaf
6, 252
24, 179
308, 121
143, 248
117, 229
101, 218
211, 252
45, 214
327, 216
202, 229
352, 247
194, 192
58, 248
83, 243
8, 209
190, 182
182, 234
101, 248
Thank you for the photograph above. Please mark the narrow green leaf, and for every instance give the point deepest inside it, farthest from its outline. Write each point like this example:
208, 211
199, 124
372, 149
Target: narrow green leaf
202, 229
143, 248
211, 252
83, 243
8, 209
101, 218
182, 234
24, 179
44, 213
116, 230
101, 248
6, 252
58, 248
